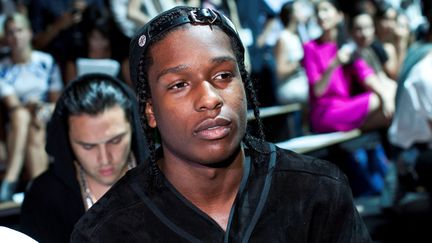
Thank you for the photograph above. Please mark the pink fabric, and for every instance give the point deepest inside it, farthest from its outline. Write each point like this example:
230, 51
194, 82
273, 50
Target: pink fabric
336, 109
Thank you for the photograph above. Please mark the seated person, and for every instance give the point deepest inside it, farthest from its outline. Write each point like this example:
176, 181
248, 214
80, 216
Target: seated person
292, 81
30, 83
333, 68
101, 52
94, 138
209, 180
411, 128
346, 94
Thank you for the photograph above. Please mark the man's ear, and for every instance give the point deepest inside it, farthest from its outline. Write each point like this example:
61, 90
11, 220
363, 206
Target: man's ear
151, 120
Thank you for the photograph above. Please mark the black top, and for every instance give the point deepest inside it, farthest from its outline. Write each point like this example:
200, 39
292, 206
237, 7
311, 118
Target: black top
53, 202
285, 198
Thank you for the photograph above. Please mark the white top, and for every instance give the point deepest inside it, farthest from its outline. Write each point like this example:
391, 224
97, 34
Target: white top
293, 49
30, 81
90, 65
11, 235
411, 121
119, 9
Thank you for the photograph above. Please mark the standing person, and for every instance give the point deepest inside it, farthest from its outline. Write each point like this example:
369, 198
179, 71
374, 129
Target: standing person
94, 137
209, 181
30, 83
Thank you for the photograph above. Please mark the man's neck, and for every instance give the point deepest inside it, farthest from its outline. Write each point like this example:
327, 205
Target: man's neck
213, 190
21, 55
97, 189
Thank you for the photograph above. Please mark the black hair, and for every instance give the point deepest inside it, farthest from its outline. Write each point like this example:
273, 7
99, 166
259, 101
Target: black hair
359, 9
286, 13
92, 94
342, 33
335, 3
426, 7
101, 20
144, 92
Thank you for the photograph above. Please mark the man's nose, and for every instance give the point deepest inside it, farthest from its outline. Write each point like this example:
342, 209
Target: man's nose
103, 156
208, 97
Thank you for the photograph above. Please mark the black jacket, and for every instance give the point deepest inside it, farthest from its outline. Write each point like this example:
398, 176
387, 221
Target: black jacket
53, 202
283, 197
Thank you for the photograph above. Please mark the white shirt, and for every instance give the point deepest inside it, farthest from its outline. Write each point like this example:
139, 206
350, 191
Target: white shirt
411, 121
32, 80
11, 235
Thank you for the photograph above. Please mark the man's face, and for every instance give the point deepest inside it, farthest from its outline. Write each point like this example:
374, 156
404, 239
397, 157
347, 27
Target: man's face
363, 30
17, 35
198, 99
101, 144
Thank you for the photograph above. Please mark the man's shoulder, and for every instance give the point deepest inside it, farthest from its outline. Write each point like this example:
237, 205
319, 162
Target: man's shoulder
44, 182
121, 198
294, 163
291, 162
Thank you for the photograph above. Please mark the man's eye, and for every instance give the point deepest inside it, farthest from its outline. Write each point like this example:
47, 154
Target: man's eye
178, 85
87, 146
115, 141
222, 76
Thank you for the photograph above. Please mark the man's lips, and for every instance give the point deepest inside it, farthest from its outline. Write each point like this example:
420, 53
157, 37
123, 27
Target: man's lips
211, 129
106, 171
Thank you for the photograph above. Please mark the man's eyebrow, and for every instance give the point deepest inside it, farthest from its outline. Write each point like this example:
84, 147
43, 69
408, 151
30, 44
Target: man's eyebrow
224, 59
182, 67
175, 69
120, 135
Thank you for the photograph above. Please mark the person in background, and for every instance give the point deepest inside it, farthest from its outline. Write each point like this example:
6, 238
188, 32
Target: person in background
56, 26
30, 83
346, 94
261, 19
131, 14
292, 81
332, 66
94, 138
207, 179
393, 31
362, 29
8, 7
411, 129
102, 39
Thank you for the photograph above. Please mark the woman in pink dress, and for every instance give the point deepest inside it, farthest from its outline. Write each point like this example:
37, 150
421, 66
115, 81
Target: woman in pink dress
331, 69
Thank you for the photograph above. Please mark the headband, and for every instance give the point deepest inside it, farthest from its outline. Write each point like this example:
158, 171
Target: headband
155, 27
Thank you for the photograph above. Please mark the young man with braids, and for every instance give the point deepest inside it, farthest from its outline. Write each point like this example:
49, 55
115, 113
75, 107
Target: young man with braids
209, 181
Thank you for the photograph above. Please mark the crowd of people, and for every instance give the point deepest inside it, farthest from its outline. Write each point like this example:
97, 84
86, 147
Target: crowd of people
71, 135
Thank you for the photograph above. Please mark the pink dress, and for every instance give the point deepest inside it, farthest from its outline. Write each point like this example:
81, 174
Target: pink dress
337, 109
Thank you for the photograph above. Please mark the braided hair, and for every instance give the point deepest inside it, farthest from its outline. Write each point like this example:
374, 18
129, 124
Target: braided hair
144, 92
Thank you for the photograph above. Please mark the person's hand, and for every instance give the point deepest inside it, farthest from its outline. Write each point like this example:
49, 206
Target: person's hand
345, 53
387, 98
67, 20
388, 107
